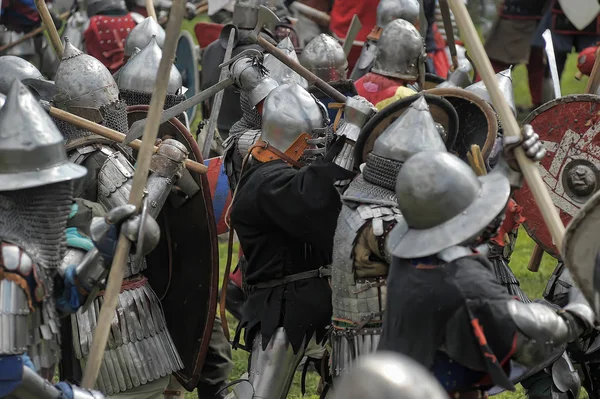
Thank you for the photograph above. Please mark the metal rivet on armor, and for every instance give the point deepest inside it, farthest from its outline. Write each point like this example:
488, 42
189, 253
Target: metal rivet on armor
107, 31
121, 29
101, 41
123, 40
112, 20
105, 21
126, 19
128, 29
154, 204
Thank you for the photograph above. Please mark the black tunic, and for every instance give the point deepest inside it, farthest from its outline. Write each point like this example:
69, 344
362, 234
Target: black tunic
285, 220
458, 307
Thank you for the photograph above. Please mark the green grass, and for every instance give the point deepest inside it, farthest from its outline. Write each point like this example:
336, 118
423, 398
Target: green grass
532, 283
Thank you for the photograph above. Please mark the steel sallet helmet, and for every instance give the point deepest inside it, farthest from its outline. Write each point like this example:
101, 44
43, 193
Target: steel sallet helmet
388, 375
141, 35
32, 150
95, 7
400, 52
325, 57
139, 74
389, 10
444, 204
86, 80
251, 77
12, 67
288, 111
280, 72
506, 87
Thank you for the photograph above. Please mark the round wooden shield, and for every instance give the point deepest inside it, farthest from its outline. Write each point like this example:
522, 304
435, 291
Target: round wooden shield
184, 267
477, 121
568, 128
441, 110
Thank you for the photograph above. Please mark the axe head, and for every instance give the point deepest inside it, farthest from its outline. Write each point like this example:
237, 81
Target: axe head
266, 17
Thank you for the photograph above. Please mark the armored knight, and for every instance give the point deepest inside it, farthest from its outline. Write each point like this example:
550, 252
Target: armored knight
451, 312
287, 252
16, 68
360, 261
235, 106
389, 376
36, 201
143, 355
325, 57
399, 61
136, 80
387, 11
107, 30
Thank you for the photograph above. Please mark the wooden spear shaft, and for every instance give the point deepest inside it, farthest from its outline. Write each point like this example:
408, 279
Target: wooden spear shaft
150, 9
113, 135
117, 271
509, 122
49, 24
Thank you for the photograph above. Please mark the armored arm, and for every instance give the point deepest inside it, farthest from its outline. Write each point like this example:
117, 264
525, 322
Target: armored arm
541, 328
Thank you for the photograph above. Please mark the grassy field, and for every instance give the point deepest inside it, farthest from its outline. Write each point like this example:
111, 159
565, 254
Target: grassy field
532, 283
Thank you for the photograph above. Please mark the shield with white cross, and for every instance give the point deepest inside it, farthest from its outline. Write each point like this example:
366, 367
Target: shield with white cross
568, 128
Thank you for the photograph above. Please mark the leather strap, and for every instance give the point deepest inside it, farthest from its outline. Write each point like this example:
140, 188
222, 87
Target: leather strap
375, 34
319, 273
264, 152
88, 140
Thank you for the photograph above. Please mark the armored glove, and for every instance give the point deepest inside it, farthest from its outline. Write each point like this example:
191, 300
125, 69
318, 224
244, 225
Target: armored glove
530, 143
136, 227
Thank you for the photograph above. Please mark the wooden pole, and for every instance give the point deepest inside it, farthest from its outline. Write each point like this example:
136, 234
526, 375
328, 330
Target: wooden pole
117, 271
49, 24
150, 9
509, 122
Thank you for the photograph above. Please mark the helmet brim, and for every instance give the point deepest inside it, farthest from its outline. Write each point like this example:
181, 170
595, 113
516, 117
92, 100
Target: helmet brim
62, 172
407, 243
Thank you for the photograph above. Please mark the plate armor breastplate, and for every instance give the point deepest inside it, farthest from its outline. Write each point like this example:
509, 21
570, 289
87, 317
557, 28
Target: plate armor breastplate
358, 303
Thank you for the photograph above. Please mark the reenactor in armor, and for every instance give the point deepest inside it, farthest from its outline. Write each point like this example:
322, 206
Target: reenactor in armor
389, 376
387, 11
289, 298
324, 56
137, 78
369, 212
19, 17
244, 20
399, 62
443, 298
144, 362
510, 42
42, 276
109, 25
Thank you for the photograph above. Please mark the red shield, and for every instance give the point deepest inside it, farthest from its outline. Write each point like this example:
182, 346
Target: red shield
207, 32
568, 128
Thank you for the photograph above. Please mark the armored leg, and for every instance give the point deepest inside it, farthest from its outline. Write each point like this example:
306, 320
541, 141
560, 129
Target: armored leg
271, 371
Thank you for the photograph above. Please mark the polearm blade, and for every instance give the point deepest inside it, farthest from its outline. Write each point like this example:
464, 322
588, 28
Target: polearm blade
447, 18
552, 63
137, 128
355, 27
216, 109
50, 27
117, 271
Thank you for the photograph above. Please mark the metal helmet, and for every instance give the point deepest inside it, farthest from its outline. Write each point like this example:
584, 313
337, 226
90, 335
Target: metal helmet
387, 375
95, 7
141, 35
249, 76
280, 72
139, 74
413, 132
400, 52
324, 56
85, 79
443, 203
15, 68
2, 100
506, 87
389, 10
245, 13
32, 150
288, 111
